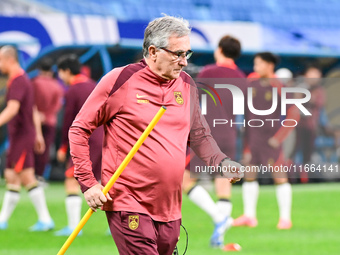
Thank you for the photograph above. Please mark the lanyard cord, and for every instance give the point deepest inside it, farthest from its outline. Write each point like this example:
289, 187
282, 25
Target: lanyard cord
186, 244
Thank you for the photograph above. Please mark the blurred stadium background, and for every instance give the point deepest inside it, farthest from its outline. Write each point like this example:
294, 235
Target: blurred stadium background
109, 33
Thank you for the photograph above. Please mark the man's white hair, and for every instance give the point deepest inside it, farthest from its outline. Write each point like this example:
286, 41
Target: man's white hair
159, 31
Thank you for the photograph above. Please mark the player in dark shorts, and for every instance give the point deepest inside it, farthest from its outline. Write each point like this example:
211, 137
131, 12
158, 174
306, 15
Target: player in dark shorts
80, 87
224, 71
24, 134
48, 95
263, 145
308, 127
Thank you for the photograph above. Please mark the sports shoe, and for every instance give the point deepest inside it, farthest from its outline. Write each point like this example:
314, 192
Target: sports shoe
217, 238
108, 232
42, 182
42, 226
3, 225
217, 243
232, 247
284, 224
245, 221
66, 231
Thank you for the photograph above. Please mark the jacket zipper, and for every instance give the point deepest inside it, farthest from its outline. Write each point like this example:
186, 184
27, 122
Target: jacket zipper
162, 93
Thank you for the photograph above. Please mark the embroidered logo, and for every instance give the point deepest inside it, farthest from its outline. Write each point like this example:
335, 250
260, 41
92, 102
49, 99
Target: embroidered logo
140, 96
268, 96
142, 101
133, 221
178, 97
271, 161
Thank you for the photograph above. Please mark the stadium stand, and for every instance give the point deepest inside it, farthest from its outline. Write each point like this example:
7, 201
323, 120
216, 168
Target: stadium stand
281, 14
23, 8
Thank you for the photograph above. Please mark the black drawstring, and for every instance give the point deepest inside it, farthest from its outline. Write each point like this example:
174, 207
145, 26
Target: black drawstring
186, 244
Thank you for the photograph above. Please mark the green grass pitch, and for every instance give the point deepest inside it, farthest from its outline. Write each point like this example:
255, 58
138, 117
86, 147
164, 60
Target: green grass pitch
316, 230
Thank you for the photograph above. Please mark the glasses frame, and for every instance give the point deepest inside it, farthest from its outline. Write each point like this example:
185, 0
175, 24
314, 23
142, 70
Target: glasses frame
179, 54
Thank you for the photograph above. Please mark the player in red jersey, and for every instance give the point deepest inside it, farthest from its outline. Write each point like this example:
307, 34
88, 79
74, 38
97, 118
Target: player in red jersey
144, 206
308, 126
80, 87
48, 98
228, 50
24, 134
263, 144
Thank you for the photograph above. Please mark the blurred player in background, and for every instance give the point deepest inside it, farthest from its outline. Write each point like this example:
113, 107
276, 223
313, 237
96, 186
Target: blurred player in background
80, 87
144, 207
48, 98
25, 133
228, 50
308, 125
263, 145
285, 76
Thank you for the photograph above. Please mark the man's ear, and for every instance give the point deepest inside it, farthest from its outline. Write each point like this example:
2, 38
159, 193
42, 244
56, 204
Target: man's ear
217, 53
68, 71
152, 52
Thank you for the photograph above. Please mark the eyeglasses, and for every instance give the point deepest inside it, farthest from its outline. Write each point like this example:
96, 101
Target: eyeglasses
179, 54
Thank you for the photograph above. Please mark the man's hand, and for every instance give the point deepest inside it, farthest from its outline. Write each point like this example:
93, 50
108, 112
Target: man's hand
42, 117
61, 155
246, 158
273, 142
232, 170
39, 145
95, 197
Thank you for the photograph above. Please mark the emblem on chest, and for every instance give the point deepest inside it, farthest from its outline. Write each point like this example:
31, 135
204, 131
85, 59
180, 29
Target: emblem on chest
178, 97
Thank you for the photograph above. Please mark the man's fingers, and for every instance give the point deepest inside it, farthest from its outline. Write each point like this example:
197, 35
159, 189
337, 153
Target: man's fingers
94, 204
102, 198
95, 197
91, 204
108, 197
98, 202
41, 147
61, 156
234, 180
99, 199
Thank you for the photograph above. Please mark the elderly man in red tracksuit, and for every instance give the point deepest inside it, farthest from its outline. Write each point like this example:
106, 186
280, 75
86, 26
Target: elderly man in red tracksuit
144, 206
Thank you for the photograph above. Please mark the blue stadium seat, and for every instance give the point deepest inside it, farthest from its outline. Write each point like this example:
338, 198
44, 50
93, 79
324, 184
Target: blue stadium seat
302, 13
220, 14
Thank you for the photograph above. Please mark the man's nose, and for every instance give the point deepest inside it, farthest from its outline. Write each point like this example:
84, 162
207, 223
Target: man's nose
183, 61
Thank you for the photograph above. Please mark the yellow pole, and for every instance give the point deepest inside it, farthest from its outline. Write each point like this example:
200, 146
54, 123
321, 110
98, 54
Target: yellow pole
114, 177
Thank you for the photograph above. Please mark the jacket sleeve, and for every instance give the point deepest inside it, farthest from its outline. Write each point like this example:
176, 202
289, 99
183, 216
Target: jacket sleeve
292, 114
200, 139
99, 108
57, 99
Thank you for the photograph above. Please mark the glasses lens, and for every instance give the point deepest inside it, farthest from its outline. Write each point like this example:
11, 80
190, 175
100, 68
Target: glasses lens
189, 54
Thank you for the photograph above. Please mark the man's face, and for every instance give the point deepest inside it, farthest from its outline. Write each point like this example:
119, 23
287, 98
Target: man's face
313, 76
65, 76
3, 63
168, 65
263, 68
